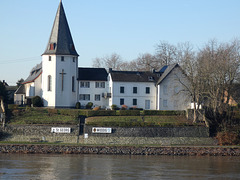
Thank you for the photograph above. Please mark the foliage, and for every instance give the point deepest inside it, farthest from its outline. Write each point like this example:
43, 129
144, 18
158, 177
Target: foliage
89, 105
124, 107
12, 106
137, 121
97, 108
101, 113
114, 107
19, 82
129, 113
3, 92
163, 113
78, 105
228, 138
37, 101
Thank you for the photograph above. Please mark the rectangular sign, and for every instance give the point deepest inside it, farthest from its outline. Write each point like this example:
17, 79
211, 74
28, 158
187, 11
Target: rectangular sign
101, 130
61, 130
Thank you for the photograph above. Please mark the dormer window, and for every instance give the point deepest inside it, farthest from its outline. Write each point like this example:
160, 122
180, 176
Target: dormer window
150, 78
52, 46
62, 58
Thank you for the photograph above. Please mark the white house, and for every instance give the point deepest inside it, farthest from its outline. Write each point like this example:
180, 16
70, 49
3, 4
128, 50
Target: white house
61, 83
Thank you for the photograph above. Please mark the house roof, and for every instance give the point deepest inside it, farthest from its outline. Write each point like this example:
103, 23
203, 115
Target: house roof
134, 76
92, 74
20, 90
11, 88
60, 41
166, 70
34, 74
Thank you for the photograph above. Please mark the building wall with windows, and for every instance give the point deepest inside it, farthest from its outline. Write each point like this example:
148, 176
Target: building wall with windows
172, 93
93, 91
133, 94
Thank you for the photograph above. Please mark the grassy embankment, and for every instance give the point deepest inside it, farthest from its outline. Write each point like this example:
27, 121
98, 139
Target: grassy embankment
69, 116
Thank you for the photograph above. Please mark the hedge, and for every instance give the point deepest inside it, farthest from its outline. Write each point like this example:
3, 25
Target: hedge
163, 113
129, 113
101, 113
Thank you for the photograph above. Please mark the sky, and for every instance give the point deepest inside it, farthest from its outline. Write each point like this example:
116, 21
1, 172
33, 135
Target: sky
102, 27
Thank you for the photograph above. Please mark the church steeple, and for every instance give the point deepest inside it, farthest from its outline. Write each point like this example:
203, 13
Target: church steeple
60, 41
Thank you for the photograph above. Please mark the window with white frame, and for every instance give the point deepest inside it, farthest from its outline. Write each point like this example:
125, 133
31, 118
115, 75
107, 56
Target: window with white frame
97, 97
84, 97
99, 84
84, 84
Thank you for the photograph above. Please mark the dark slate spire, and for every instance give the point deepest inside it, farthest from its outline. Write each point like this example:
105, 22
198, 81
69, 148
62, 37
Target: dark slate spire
60, 41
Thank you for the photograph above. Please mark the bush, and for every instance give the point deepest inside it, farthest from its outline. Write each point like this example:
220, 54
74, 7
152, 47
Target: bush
97, 108
163, 113
228, 138
89, 105
12, 106
124, 107
129, 113
101, 113
37, 101
114, 107
78, 105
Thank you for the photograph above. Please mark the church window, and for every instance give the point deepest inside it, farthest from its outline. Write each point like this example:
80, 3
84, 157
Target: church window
49, 58
84, 97
49, 83
73, 84
62, 58
97, 97
52, 46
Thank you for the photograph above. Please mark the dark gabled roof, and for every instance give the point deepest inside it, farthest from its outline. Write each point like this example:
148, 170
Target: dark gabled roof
20, 90
34, 74
11, 88
167, 70
60, 41
92, 74
134, 76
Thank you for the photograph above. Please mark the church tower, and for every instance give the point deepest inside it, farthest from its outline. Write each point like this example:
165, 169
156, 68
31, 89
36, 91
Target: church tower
60, 65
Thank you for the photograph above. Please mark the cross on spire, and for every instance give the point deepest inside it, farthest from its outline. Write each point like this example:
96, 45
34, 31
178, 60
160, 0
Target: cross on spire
62, 73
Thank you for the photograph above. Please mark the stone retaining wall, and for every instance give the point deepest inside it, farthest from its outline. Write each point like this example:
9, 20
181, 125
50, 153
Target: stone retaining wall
185, 131
121, 150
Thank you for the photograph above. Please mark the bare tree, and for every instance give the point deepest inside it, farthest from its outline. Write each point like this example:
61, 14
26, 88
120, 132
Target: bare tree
113, 61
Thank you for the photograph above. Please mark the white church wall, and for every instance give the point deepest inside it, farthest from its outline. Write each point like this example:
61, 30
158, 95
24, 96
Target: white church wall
172, 93
38, 86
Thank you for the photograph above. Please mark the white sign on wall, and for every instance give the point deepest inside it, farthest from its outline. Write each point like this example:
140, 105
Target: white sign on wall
101, 130
61, 130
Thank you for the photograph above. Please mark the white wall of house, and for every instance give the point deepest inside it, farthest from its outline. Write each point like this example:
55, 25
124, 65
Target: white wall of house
142, 99
172, 94
38, 86
89, 92
19, 99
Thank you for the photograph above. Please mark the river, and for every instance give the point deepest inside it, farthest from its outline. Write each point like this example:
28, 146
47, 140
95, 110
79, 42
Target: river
45, 166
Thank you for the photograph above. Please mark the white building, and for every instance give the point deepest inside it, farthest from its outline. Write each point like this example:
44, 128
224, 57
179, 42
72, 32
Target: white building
61, 83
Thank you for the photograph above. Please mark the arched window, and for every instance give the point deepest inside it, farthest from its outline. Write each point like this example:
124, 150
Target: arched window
49, 83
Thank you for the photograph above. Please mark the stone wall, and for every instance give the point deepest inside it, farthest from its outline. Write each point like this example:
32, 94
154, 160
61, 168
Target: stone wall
185, 131
120, 150
36, 133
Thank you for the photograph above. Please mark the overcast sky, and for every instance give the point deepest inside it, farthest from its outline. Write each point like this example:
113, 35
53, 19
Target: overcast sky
103, 27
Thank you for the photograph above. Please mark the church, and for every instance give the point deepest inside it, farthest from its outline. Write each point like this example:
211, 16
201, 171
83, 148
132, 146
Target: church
61, 83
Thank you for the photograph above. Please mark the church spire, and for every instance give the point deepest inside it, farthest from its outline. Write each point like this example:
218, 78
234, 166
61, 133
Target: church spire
60, 41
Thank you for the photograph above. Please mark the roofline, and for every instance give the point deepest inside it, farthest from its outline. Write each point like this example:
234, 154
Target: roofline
176, 65
32, 80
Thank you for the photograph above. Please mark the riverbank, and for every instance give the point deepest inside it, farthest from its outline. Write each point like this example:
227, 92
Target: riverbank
121, 150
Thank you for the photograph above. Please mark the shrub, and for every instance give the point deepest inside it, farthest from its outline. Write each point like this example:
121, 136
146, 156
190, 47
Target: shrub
114, 107
78, 105
89, 105
12, 106
228, 138
37, 101
101, 113
124, 107
129, 113
163, 113
97, 108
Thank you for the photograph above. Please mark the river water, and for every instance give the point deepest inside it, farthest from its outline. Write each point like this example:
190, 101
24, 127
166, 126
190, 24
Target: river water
49, 167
